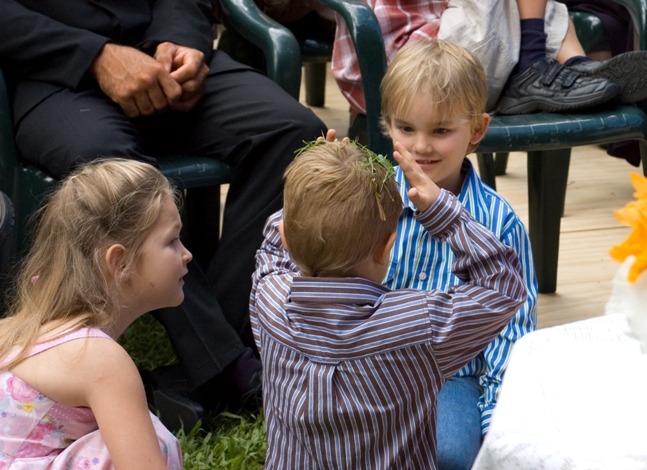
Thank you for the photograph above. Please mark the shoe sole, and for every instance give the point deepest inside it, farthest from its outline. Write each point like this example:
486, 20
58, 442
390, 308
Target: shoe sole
6, 217
533, 104
629, 72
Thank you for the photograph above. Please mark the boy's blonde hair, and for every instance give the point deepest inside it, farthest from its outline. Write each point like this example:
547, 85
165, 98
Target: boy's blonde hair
339, 205
448, 75
103, 203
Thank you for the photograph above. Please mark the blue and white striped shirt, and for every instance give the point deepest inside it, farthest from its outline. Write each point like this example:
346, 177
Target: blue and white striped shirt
418, 261
351, 370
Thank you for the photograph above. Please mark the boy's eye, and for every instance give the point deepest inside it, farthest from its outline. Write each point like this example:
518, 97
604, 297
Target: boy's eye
406, 129
441, 130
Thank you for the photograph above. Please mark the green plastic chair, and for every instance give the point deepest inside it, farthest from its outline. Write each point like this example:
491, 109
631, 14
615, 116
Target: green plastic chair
199, 176
315, 51
547, 137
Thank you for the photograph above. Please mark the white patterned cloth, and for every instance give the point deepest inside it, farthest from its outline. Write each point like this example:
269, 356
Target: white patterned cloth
573, 398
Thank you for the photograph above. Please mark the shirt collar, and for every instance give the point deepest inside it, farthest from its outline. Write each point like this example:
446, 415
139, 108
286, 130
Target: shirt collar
345, 290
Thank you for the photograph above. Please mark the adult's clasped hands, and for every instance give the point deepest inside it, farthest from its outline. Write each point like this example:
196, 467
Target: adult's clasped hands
174, 78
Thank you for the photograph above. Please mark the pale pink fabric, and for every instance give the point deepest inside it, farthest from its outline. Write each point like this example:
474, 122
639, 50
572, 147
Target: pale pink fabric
400, 22
38, 433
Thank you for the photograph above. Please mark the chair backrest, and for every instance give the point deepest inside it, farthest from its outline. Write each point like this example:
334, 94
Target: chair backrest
280, 48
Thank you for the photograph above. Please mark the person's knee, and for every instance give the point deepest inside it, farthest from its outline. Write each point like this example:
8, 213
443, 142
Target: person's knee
455, 460
59, 154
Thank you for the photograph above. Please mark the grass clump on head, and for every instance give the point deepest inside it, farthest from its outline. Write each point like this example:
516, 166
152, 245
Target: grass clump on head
340, 203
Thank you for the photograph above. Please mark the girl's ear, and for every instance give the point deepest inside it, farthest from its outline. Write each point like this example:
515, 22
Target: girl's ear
479, 130
116, 263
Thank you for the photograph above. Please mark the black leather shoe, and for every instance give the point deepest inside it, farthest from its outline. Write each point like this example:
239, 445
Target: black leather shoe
548, 86
178, 410
252, 400
6, 217
628, 71
168, 390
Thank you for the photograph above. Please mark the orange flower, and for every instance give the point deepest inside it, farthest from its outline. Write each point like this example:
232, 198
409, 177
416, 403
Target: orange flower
634, 214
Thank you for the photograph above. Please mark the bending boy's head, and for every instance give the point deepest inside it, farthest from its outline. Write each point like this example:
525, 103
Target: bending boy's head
449, 79
340, 205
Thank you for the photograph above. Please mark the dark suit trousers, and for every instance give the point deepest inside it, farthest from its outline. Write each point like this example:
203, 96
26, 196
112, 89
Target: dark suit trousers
244, 119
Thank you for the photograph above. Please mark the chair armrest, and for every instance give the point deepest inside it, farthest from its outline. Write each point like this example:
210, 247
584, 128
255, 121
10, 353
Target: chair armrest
278, 44
638, 12
369, 47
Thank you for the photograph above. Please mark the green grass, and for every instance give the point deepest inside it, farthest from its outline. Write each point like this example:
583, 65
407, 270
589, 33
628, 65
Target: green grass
238, 440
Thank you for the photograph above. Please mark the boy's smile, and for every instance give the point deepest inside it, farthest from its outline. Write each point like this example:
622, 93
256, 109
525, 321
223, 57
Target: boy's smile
438, 143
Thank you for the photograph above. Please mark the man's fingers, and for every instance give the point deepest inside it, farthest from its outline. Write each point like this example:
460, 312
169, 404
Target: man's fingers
188, 66
158, 98
164, 55
171, 89
144, 104
130, 108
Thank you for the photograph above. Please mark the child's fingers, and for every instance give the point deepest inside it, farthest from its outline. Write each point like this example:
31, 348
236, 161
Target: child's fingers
423, 191
410, 167
331, 135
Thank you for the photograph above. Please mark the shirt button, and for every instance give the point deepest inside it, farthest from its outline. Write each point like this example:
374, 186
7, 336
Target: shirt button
422, 276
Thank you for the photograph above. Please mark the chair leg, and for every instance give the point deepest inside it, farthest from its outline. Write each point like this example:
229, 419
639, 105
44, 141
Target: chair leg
643, 155
547, 175
487, 168
315, 78
500, 163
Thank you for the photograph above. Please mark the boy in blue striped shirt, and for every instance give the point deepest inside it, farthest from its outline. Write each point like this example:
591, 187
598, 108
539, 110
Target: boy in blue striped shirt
351, 369
433, 103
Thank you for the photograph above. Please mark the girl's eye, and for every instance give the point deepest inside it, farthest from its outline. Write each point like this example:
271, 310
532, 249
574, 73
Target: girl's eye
407, 129
441, 130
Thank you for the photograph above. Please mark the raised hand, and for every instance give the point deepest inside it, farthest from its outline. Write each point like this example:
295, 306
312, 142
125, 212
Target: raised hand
136, 82
423, 191
187, 67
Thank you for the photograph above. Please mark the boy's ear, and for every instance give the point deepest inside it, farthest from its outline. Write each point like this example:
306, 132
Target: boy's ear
285, 245
387, 125
480, 128
115, 263
384, 251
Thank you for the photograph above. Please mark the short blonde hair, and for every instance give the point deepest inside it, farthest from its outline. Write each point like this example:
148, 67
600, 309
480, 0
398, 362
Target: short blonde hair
63, 278
449, 75
336, 209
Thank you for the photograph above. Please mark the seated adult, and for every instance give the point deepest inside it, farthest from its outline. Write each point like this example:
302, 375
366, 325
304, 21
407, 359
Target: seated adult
140, 79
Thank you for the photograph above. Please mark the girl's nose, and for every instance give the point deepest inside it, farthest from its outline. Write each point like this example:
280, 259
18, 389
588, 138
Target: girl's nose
186, 256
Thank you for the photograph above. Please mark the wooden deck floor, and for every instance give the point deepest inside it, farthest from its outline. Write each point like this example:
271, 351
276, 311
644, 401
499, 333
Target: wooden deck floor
597, 185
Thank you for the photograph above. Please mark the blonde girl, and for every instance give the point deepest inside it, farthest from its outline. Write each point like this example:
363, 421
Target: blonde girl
106, 250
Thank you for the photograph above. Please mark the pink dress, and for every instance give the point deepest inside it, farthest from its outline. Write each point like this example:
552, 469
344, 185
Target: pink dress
38, 433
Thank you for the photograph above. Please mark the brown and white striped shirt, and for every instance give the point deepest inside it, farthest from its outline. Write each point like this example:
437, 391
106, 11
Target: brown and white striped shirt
352, 369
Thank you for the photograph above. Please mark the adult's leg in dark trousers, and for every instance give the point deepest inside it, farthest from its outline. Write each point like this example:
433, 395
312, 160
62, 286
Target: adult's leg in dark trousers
248, 121
70, 127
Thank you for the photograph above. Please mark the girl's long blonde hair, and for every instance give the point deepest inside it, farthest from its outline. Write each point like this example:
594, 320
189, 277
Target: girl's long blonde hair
62, 278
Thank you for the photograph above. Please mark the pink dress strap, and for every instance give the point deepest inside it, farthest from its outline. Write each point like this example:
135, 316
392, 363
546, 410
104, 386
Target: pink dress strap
65, 337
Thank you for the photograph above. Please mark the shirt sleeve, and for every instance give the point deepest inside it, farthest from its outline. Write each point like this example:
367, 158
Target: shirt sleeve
182, 22
44, 49
272, 278
469, 315
497, 352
